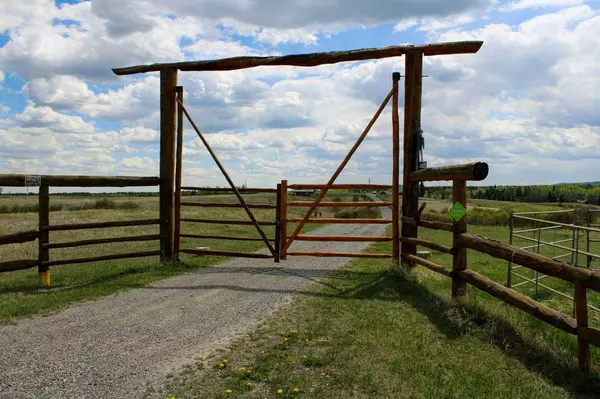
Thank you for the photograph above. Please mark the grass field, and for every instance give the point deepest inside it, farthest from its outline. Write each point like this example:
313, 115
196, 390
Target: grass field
369, 331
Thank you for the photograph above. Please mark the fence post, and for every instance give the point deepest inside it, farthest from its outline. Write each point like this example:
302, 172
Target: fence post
44, 221
396, 172
459, 259
278, 222
412, 129
582, 321
168, 83
511, 222
283, 219
178, 175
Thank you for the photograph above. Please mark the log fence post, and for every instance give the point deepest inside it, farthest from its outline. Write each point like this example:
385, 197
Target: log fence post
283, 192
581, 312
396, 172
178, 175
459, 259
44, 235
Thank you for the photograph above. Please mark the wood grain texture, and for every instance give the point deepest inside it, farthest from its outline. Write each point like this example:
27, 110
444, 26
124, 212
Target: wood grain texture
476, 171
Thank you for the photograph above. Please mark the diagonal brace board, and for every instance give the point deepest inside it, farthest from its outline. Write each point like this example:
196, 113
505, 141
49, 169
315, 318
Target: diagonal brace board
231, 184
339, 169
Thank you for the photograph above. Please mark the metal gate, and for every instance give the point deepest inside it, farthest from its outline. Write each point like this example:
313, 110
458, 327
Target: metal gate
272, 244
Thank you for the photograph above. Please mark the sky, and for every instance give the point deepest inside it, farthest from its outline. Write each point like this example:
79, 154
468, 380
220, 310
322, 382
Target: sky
527, 103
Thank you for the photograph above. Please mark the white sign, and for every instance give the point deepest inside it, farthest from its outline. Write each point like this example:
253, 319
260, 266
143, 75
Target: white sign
33, 181
423, 165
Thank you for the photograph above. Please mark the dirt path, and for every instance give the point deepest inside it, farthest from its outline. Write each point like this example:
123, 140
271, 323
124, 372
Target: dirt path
113, 346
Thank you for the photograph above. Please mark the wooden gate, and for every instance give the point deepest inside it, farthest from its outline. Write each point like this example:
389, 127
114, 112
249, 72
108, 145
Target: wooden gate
272, 244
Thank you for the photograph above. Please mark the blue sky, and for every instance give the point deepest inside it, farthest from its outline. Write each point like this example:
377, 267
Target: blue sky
527, 103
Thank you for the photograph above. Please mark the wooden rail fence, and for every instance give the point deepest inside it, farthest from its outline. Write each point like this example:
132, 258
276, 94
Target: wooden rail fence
583, 278
42, 234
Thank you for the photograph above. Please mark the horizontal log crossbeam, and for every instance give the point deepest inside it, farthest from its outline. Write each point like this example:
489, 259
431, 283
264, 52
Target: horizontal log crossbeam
334, 204
473, 171
341, 221
302, 237
550, 267
429, 225
339, 254
20, 264
100, 258
101, 225
226, 253
222, 205
220, 237
81, 181
235, 222
306, 60
340, 186
427, 244
229, 190
70, 244
428, 264
19, 238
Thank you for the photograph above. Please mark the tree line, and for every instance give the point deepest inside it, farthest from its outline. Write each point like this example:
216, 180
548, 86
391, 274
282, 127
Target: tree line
588, 193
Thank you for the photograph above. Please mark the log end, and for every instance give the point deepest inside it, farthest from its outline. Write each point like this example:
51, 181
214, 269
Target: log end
480, 171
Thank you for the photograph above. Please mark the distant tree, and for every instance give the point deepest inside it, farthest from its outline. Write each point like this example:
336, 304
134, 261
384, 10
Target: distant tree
421, 189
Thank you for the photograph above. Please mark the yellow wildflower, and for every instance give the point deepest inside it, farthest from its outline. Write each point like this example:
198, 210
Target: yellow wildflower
249, 384
221, 365
224, 361
228, 391
242, 369
304, 357
294, 332
280, 391
295, 390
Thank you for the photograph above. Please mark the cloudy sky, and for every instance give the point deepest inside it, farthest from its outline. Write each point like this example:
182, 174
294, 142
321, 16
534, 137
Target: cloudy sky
528, 103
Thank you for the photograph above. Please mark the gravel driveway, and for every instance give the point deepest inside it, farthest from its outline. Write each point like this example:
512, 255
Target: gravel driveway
113, 346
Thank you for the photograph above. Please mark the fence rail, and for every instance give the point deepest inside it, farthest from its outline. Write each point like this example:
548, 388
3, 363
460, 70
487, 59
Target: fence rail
43, 262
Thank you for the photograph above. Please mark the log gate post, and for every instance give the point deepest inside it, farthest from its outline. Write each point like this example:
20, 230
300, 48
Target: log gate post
283, 220
43, 239
396, 172
459, 259
178, 175
581, 312
412, 128
168, 110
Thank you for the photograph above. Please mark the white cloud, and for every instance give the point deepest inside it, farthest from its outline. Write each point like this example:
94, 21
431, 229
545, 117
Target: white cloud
46, 117
526, 4
405, 25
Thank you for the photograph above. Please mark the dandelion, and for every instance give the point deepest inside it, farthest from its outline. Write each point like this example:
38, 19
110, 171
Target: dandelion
294, 332
295, 390
249, 384
242, 369
280, 391
228, 391
304, 357
248, 371
221, 365
171, 397
225, 361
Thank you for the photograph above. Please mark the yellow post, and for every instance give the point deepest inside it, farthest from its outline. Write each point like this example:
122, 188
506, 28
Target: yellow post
45, 279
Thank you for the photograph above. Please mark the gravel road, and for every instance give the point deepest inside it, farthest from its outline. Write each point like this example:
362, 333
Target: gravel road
114, 346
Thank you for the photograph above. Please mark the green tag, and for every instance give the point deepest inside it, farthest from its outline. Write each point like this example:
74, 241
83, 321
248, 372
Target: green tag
457, 211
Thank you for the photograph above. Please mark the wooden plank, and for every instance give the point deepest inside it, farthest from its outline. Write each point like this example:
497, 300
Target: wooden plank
226, 253
339, 254
229, 190
235, 222
13, 180
178, 174
302, 237
19, 238
341, 221
518, 300
222, 205
229, 181
428, 264
581, 311
278, 222
395, 170
340, 186
428, 224
283, 220
412, 127
220, 237
20, 264
101, 225
307, 60
334, 204
81, 243
168, 110
339, 169
44, 238
459, 259
554, 268
476, 171
428, 244
102, 258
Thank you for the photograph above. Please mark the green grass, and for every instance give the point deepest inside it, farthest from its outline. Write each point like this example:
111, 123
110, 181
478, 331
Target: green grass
20, 292
374, 332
